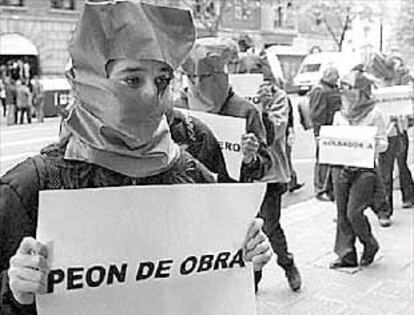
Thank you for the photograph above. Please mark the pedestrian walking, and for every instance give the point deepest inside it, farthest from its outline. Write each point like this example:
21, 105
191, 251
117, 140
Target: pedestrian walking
324, 101
11, 100
38, 98
275, 115
397, 132
24, 101
3, 95
117, 122
26, 71
15, 70
274, 103
354, 187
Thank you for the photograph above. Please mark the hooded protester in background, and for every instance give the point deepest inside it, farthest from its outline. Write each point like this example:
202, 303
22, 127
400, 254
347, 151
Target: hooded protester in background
275, 109
354, 187
391, 71
209, 91
261, 64
324, 101
123, 55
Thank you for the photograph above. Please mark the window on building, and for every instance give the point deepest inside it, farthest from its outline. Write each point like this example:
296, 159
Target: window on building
242, 10
63, 4
278, 16
12, 3
203, 8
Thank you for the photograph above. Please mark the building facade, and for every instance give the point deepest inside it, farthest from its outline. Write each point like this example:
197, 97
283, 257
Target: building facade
39, 28
42, 28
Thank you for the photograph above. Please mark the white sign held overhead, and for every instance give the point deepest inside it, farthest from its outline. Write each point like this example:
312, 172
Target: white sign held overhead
246, 85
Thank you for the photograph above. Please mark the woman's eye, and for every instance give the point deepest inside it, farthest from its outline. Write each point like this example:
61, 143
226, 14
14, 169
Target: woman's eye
132, 82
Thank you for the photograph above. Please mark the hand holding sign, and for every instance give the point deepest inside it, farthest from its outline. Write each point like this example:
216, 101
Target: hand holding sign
256, 247
250, 146
28, 271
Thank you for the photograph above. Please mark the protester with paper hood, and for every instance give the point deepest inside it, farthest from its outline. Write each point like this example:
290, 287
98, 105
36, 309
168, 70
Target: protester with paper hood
391, 71
209, 91
123, 54
274, 103
354, 187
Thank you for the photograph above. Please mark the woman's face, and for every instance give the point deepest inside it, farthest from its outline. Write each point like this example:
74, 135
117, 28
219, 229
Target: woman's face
147, 77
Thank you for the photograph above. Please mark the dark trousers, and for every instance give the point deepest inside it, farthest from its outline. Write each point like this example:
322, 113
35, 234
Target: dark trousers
397, 150
270, 213
322, 178
28, 112
381, 205
3, 103
293, 177
354, 191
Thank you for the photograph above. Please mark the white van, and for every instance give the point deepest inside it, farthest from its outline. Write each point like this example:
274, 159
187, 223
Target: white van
313, 66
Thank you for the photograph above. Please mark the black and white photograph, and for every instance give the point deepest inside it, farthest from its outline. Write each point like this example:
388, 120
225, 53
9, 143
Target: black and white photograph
206, 157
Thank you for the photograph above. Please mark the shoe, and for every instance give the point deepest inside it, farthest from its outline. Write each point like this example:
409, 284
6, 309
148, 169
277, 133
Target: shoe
408, 204
296, 187
384, 221
322, 197
343, 263
369, 253
293, 277
257, 278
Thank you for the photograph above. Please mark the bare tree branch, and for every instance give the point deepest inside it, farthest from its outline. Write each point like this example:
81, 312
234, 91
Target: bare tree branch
332, 32
344, 29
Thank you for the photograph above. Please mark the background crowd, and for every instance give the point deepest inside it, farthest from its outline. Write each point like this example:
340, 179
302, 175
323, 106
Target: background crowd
21, 93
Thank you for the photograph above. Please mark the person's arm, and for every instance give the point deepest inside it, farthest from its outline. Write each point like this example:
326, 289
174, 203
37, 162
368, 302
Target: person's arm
18, 217
262, 162
12, 225
278, 112
205, 147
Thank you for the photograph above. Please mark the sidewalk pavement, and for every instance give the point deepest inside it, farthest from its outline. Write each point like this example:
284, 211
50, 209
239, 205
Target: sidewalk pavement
385, 287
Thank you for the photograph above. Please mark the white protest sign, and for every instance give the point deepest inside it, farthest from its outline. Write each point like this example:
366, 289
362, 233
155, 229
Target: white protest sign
228, 131
246, 85
395, 100
173, 249
347, 145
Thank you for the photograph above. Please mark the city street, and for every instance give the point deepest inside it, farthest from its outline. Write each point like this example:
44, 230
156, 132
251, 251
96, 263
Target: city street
20, 141
385, 287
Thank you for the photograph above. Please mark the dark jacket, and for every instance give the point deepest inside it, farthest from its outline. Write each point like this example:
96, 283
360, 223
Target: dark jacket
324, 101
19, 198
236, 106
198, 140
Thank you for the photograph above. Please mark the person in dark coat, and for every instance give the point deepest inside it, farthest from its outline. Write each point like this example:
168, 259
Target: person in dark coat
324, 101
118, 121
197, 139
